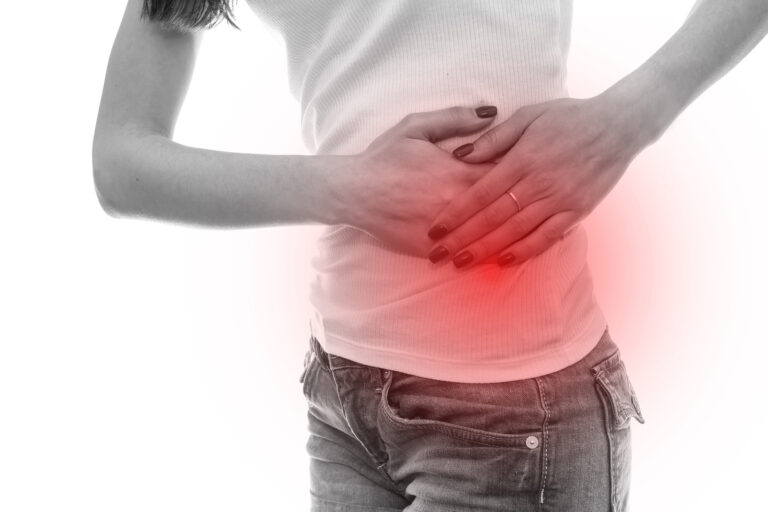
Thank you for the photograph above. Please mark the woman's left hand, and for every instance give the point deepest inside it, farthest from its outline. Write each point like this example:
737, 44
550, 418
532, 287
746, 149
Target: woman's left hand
558, 158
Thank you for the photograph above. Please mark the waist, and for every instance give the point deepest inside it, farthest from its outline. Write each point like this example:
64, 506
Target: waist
377, 305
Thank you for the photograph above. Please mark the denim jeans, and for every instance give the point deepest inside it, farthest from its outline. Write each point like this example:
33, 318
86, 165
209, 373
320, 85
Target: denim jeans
382, 440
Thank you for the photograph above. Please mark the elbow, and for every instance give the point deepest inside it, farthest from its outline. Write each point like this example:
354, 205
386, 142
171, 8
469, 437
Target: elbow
106, 200
113, 163
104, 181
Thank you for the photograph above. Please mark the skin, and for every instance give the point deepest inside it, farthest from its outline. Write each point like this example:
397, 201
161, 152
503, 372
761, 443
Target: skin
392, 190
562, 157
402, 185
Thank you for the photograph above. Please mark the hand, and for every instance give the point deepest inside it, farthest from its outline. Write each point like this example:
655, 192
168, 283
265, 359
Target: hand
562, 157
405, 180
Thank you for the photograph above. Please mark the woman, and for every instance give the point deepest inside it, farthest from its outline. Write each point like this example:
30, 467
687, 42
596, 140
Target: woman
457, 358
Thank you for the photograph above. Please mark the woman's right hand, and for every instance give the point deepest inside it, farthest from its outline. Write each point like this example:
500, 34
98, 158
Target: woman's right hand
404, 180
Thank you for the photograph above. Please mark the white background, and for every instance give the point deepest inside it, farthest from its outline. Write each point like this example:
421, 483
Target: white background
154, 367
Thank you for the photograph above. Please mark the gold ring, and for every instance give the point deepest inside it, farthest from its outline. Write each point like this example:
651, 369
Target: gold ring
517, 203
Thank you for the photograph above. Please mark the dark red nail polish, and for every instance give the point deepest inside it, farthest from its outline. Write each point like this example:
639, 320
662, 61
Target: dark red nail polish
507, 258
463, 150
462, 259
437, 254
438, 232
486, 111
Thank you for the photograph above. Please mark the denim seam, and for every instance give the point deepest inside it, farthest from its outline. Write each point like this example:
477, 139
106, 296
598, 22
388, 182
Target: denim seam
459, 432
518, 443
545, 436
614, 473
346, 418
611, 441
385, 379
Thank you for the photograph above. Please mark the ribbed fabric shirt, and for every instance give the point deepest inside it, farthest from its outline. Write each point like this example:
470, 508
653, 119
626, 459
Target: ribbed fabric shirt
357, 68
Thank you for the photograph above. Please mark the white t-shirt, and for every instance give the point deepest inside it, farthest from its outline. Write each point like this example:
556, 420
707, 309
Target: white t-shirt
358, 67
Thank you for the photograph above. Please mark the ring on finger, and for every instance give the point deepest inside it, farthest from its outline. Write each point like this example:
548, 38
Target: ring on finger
514, 198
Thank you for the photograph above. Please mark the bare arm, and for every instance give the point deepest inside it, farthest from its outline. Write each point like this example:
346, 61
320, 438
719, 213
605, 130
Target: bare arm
716, 35
388, 190
562, 157
139, 171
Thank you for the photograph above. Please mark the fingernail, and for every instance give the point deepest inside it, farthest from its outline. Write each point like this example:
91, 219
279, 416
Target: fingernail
437, 254
486, 111
438, 232
463, 150
462, 259
507, 258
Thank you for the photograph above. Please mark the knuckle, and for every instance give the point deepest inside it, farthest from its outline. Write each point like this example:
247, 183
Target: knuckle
471, 174
489, 140
453, 243
408, 120
531, 110
524, 111
580, 202
479, 249
494, 216
525, 158
482, 194
551, 233
543, 181
455, 235
455, 113
513, 229
450, 217
525, 250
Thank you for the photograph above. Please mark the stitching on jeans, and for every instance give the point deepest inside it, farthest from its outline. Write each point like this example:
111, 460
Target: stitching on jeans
459, 432
545, 429
611, 442
346, 418
373, 457
518, 442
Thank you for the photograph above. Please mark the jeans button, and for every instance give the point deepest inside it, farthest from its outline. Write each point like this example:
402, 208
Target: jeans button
387, 373
532, 442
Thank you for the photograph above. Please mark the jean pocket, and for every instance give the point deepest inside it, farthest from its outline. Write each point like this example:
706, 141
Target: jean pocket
617, 392
481, 414
620, 405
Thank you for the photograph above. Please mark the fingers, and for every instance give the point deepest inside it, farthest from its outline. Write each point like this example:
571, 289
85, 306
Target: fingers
501, 224
470, 174
485, 191
550, 231
437, 125
521, 237
498, 140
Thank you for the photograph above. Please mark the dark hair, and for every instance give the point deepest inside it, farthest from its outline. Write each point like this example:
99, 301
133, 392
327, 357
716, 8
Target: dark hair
187, 15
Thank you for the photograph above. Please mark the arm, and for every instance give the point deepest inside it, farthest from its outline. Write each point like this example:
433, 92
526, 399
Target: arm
561, 158
139, 171
716, 35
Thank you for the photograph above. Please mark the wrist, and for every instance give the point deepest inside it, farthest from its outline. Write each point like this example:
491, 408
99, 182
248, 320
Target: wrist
645, 104
340, 184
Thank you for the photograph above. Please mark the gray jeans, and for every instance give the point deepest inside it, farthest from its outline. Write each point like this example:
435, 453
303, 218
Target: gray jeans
382, 440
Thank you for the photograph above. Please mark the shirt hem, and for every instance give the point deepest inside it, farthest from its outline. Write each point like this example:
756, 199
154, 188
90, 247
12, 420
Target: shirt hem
472, 372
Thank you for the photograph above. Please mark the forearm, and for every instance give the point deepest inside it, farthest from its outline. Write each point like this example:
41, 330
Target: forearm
716, 35
148, 175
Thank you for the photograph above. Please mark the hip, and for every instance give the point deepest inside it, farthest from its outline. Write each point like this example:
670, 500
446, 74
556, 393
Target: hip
560, 441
